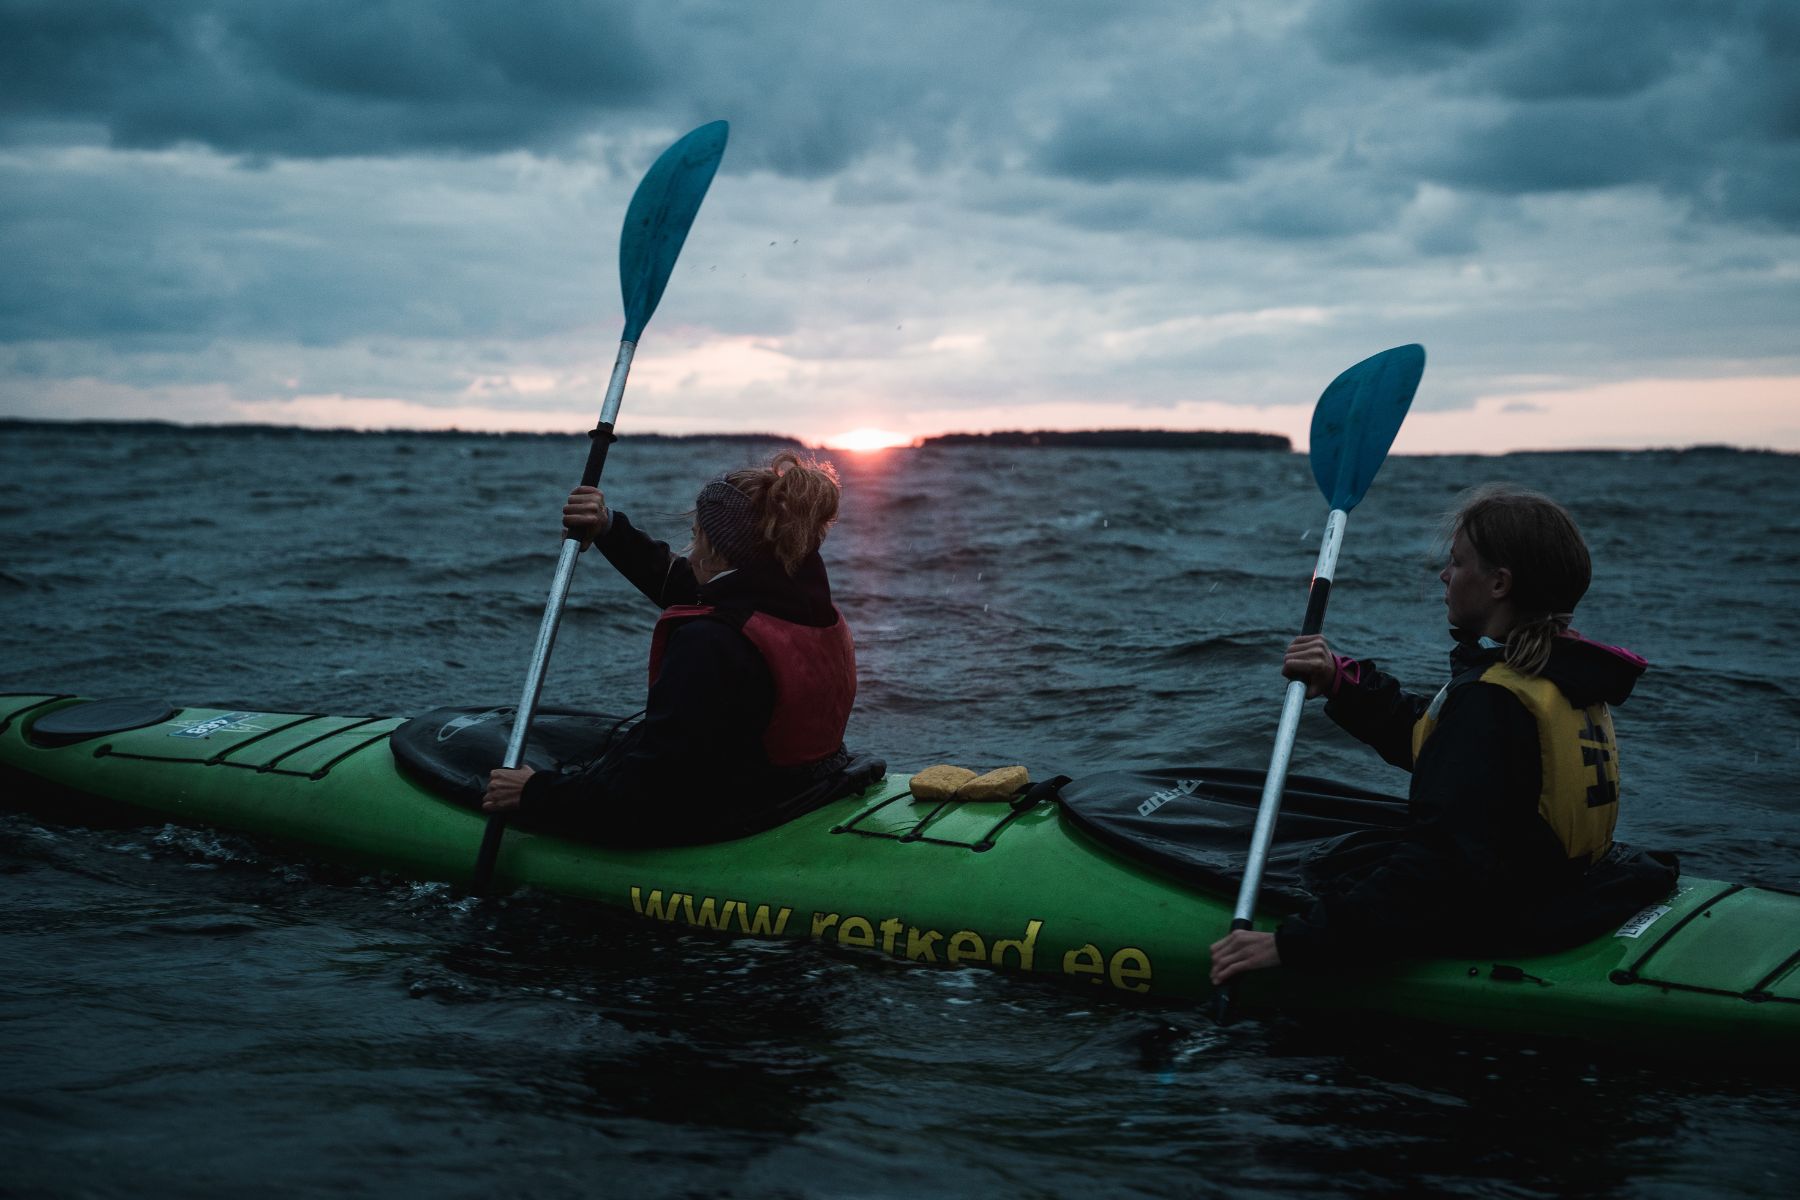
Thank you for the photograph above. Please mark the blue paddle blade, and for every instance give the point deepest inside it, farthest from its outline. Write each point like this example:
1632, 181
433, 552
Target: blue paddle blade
657, 221
1357, 418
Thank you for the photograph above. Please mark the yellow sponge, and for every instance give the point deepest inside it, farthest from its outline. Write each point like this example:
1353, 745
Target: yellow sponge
943, 782
999, 784
935, 784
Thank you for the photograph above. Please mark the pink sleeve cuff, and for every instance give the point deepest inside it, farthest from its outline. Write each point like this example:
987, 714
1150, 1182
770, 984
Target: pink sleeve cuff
1348, 671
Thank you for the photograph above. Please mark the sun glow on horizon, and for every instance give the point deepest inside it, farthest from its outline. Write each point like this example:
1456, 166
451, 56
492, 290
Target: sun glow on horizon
867, 439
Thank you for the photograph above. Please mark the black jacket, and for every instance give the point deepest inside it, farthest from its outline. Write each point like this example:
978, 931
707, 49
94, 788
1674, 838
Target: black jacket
694, 768
1477, 865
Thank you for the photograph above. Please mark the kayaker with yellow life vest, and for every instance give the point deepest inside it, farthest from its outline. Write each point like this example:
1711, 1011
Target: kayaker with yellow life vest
1515, 774
752, 669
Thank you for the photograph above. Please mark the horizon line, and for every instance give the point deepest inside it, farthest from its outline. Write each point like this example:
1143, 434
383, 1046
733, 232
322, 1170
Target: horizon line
917, 443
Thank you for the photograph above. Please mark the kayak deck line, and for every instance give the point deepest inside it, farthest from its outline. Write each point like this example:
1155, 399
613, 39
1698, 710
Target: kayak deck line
329, 733
269, 767
1629, 974
1755, 992
1760, 992
916, 832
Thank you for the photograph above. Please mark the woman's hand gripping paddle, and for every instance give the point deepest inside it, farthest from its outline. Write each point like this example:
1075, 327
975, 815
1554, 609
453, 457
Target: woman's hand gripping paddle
656, 224
1352, 427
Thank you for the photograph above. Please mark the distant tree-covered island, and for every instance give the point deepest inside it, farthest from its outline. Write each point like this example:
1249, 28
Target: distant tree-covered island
103, 425
1119, 439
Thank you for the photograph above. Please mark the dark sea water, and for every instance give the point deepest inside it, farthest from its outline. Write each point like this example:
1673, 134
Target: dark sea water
190, 1012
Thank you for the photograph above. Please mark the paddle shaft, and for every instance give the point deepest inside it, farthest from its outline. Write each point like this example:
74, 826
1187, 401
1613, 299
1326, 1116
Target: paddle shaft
1286, 733
1353, 426
553, 607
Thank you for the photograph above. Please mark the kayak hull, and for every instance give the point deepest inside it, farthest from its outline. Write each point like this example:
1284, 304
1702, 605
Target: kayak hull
1715, 966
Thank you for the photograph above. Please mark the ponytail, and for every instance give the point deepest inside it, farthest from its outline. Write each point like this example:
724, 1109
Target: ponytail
1528, 645
795, 502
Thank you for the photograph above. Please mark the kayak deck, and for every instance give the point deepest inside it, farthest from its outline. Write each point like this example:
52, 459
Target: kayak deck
957, 883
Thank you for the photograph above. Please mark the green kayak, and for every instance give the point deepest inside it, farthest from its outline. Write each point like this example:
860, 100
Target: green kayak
1014, 885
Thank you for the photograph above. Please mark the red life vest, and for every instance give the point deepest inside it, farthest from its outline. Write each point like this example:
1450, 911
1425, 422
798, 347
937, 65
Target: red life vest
815, 679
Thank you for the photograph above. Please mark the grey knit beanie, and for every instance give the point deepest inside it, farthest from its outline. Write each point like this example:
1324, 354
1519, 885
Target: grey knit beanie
728, 519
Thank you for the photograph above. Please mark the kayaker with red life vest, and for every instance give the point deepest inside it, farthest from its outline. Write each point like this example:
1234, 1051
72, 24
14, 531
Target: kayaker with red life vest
1515, 776
752, 669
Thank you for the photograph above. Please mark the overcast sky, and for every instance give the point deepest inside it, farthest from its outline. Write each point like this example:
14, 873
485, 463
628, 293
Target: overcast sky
979, 214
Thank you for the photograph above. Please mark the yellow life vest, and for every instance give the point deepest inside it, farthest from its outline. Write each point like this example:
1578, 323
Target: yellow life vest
1578, 759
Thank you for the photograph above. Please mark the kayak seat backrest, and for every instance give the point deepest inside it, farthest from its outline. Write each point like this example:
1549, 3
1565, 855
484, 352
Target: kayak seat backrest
95, 718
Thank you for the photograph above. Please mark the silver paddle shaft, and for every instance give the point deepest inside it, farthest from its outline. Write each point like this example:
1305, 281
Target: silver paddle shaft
559, 584
1270, 807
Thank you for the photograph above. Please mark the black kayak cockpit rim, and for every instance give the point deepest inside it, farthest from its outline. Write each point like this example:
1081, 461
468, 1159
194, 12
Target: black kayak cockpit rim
37, 702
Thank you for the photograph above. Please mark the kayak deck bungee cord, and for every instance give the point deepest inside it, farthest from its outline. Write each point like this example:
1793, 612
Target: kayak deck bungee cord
1018, 886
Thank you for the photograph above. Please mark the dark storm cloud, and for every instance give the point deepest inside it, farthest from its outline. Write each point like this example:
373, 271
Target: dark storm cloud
311, 78
1175, 96
1182, 125
1571, 145
1509, 97
1698, 101
810, 90
1102, 145
173, 247
1415, 33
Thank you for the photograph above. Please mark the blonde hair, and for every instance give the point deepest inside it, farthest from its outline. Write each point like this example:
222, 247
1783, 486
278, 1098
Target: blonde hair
1536, 539
795, 501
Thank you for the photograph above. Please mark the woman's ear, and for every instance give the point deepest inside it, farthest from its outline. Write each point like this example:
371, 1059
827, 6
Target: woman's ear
706, 562
1502, 584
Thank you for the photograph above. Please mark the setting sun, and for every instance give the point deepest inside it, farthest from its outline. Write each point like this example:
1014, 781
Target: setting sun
868, 439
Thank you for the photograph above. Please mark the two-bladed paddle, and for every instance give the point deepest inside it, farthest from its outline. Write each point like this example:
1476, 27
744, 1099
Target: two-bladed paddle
1352, 428
656, 224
